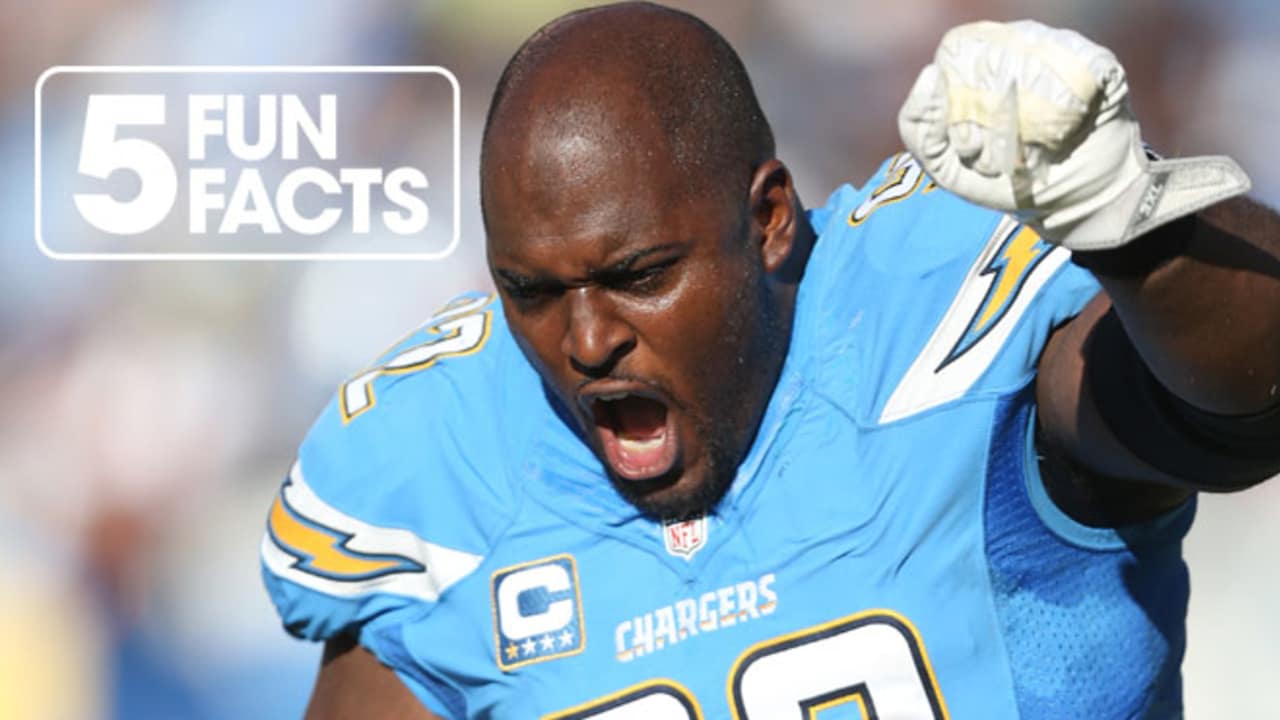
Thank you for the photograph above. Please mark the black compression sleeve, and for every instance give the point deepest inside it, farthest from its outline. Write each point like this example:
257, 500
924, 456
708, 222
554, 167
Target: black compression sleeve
1213, 452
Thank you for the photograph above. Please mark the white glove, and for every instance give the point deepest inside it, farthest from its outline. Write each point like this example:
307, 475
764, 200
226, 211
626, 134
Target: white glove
1035, 121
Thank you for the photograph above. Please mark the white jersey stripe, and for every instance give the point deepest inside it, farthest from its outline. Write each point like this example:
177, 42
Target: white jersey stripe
443, 566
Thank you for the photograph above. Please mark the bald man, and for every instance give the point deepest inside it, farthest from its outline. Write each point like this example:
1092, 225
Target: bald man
716, 455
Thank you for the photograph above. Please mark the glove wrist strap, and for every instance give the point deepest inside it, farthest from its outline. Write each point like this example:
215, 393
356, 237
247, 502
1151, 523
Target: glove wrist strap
1166, 191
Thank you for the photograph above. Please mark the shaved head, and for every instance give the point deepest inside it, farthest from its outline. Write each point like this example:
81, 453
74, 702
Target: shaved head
633, 78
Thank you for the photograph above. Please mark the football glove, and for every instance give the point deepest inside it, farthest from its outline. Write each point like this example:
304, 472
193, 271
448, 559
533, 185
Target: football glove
1035, 121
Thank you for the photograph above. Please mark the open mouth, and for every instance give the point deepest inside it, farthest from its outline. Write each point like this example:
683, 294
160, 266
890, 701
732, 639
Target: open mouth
637, 434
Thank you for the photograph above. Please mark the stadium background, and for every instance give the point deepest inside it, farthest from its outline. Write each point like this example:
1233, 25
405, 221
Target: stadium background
152, 409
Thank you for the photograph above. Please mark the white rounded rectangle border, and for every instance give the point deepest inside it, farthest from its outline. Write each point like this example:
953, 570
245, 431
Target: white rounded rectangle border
455, 117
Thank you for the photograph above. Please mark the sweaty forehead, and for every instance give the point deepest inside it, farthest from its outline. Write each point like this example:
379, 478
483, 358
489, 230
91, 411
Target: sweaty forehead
572, 212
564, 147
574, 121
577, 160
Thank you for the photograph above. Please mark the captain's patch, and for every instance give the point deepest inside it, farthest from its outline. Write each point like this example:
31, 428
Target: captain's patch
537, 612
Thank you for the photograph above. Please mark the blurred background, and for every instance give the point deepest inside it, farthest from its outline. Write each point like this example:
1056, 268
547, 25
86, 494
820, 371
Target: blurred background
155, 407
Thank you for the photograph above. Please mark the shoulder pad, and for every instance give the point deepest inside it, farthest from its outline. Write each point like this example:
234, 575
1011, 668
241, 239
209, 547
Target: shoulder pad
929, 298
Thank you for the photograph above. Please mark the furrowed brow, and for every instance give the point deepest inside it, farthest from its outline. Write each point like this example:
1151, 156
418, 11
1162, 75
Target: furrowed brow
514, 278
624, 265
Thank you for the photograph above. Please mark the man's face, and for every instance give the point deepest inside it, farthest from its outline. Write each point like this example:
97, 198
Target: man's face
644, 307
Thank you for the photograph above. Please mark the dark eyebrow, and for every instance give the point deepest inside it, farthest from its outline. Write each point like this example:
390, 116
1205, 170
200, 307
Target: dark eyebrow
514, 278
624, 265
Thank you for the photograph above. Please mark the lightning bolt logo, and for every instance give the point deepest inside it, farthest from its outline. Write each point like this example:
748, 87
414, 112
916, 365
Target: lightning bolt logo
322, 551
1019, 255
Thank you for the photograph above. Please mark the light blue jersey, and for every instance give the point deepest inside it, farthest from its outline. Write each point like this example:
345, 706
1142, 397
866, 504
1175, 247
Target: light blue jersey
887, 549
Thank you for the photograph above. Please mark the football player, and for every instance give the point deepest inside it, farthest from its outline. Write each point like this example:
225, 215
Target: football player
927, 451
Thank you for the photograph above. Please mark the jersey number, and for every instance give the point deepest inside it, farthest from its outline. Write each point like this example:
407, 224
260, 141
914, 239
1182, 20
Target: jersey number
459, 328
872, 663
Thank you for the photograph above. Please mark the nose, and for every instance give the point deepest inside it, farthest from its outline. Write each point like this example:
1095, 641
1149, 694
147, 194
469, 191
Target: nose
595, 338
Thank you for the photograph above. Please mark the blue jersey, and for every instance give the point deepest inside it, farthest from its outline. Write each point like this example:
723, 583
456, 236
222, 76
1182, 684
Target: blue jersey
887, 548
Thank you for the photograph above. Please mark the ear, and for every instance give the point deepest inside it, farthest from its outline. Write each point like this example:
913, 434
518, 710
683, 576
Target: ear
774, 209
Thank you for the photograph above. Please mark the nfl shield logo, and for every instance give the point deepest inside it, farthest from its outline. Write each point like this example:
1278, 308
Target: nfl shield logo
685, 537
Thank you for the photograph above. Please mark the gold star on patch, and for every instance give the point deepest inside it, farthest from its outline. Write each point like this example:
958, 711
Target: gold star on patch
512, 651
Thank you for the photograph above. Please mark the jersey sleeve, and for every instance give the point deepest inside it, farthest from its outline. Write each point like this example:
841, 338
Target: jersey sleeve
934, 299
398, 492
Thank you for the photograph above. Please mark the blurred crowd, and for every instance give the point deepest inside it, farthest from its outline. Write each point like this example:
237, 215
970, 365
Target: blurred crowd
153, 408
